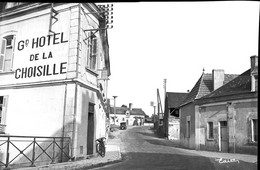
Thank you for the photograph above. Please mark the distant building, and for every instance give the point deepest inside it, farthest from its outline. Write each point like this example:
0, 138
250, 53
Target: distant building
171, 121
227, 118
132, 116
54, 67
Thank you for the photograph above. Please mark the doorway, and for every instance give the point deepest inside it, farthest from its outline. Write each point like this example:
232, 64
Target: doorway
90, 135
223, 136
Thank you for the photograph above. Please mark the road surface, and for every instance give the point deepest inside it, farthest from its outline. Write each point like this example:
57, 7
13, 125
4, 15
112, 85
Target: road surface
142, 150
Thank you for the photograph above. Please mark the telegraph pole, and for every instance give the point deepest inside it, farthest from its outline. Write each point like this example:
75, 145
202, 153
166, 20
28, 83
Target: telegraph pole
164, 86
114, 109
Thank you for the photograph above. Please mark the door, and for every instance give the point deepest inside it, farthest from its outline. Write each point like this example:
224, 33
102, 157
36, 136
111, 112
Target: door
224, 136
90, 136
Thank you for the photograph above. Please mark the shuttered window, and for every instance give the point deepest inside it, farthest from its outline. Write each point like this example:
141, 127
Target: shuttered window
3, 110
2, 55
6, 53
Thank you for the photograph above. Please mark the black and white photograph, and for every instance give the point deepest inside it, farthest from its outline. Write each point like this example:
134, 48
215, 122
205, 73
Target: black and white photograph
156, 85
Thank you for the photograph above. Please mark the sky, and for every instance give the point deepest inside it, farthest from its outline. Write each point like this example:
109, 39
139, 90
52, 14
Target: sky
153, 41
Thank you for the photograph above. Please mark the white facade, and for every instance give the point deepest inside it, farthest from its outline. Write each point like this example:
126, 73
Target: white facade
131, 117
52, 83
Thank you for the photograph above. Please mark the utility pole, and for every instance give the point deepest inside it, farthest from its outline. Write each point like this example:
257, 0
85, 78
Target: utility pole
164, 86
154, 108
153, 105
114, 109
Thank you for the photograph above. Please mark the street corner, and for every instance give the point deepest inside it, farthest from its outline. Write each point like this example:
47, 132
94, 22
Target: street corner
221, 163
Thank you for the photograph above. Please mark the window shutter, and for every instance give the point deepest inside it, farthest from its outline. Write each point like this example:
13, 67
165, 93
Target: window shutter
4, 110
2, 53
12, 59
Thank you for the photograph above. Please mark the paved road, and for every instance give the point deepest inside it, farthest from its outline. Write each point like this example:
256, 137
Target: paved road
141, 149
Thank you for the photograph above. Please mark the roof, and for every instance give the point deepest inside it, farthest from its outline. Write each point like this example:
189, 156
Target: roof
122, 111
204, 86
175, 99
240, 84
137, 111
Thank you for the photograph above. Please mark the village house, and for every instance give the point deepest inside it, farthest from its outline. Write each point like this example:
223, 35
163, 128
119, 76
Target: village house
227, 119
171, 121
54, 69
206, 84
132, 116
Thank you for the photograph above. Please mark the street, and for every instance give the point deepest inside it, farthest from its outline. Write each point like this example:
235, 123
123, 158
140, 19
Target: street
141, 149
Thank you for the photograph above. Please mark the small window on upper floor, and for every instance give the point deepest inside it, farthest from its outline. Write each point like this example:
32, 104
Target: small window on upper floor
6, 53
92, 53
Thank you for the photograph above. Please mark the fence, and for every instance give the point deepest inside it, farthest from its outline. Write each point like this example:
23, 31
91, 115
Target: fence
20, 151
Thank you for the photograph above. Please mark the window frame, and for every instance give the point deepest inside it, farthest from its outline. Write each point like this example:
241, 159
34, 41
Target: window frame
253, 133
3, 105
188, 126
210, 130
92, 51
3, 52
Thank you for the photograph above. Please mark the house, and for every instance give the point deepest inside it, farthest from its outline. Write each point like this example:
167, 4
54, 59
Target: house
54, 68
206, 84
227, 117
171, 121
132, 116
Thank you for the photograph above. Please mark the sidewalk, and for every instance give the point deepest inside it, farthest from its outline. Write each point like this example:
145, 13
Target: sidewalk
231, 156
236, 156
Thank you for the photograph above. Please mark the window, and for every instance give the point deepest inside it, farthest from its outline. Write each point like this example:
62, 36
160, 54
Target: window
254, 125
188, 126
6, 53
210, 130
188, 129
92, 52
3, 105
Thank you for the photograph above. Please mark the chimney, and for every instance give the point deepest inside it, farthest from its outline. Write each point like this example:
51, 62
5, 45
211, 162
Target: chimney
254, 72
130, 106
218, 77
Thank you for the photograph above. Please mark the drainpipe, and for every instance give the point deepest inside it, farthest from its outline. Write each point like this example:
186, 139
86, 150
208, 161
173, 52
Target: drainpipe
78, 44
64, 114
234, 121
229, 112
73, 149
73, 143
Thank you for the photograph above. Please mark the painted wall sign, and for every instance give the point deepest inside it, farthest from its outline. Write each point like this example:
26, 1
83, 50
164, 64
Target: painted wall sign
42, 56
